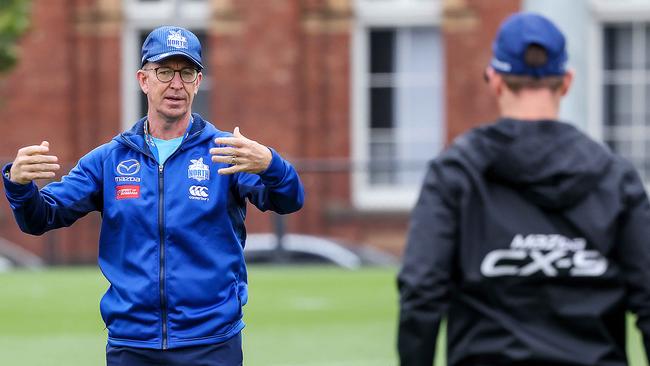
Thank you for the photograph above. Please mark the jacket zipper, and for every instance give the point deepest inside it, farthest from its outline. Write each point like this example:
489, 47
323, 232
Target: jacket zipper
161, 275
161, 232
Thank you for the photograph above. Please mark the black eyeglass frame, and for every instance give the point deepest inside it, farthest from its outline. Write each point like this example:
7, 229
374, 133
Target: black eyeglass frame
180, 71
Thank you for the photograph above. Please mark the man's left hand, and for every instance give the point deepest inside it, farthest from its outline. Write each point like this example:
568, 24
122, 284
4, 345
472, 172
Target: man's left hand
241, 153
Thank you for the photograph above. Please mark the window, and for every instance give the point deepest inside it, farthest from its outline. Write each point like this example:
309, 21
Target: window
141, 17
626, 92
398, 106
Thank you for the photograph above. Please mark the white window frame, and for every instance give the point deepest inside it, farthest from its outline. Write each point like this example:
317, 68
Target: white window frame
605, 12
140, 15
369, 13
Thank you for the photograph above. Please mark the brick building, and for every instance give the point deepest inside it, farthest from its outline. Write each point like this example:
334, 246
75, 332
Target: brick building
358, 94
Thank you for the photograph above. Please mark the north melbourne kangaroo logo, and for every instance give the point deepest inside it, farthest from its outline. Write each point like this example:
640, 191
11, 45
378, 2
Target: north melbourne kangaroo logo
175, 39
197, 170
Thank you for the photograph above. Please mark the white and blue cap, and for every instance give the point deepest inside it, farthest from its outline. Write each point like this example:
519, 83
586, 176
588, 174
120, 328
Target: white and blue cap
168, 41
518, 32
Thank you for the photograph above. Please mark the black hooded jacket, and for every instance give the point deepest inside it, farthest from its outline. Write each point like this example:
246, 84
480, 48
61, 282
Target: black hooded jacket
533, 240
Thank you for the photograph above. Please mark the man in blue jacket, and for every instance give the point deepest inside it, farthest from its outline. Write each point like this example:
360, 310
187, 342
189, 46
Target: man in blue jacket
172, 192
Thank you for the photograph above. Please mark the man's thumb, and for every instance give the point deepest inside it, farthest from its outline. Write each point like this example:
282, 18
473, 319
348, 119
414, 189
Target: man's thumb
45, 143
237, 133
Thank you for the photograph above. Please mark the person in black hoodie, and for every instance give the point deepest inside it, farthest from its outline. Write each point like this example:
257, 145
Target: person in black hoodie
532, 239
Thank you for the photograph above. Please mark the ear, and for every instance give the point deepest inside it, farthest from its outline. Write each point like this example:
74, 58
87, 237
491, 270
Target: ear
567, 81
494, 81
143, 81
197, 83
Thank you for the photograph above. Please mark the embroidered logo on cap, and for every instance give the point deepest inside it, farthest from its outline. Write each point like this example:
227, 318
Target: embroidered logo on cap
175, 39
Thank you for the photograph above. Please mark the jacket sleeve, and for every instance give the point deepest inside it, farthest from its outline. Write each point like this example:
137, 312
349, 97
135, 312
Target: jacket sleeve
634, 252
425, 277
278, 188
60, 203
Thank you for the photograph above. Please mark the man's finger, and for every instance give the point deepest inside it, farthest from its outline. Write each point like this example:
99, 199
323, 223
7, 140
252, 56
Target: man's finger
232, 141
225, 159
41, 167
228, 159
39, 159
40, 175
237, 133
34, 149
223, 151
45, 143
230, 170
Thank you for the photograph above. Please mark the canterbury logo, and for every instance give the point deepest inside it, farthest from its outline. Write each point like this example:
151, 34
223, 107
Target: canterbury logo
199, 191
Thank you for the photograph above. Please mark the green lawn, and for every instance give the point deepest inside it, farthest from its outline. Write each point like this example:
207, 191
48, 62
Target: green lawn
302, 316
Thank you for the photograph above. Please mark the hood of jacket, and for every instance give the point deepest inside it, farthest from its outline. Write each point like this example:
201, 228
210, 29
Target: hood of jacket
551, 162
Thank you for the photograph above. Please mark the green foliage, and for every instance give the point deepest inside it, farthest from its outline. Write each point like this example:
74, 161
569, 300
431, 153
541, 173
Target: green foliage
14, 20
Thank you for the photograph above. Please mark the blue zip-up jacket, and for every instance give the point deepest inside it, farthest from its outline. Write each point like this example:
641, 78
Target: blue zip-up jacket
172, 236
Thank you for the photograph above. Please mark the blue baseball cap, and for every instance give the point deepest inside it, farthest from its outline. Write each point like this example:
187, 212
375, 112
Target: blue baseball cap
518, 32
168, 41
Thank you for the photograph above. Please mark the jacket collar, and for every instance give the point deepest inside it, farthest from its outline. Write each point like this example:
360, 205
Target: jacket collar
134, 137
138, 128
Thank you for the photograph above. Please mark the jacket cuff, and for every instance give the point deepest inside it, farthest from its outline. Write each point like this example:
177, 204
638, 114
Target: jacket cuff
16, 192
274, 174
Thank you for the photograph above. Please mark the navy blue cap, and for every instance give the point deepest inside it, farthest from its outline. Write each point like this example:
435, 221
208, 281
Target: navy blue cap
167, 41
520, 31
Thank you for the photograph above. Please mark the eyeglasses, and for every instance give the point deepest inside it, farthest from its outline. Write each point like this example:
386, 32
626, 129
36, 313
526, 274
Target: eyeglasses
165, 74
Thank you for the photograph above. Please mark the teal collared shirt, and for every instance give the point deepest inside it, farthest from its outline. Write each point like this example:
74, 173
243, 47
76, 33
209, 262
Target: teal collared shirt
166, 147
162, 149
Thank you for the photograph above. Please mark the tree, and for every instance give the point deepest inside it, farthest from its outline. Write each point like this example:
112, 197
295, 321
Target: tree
14, 20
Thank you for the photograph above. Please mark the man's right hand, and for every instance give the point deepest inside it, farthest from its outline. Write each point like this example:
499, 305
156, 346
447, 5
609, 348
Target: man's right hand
32, 162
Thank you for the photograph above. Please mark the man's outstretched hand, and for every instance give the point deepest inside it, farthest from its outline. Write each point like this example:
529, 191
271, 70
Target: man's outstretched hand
241, 153
33, 162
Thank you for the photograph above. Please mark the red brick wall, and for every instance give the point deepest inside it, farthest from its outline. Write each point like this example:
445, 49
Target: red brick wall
468, 29
34, 99
281, 68
325, 105
65, 90
257, 76
281, 71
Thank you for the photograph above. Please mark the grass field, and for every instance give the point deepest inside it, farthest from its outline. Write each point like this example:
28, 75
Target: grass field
296, 316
